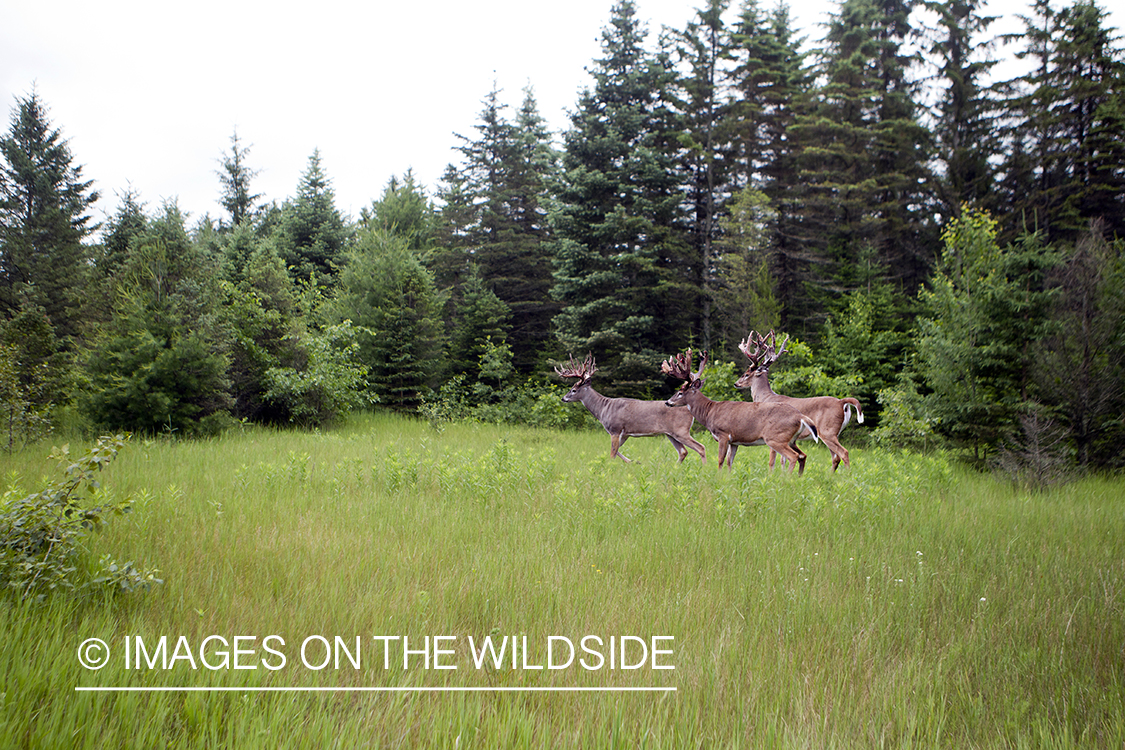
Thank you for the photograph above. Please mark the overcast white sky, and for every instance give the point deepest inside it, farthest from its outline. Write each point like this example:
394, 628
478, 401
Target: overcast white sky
148, 92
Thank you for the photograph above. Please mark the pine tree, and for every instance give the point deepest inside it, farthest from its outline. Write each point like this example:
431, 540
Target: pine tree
862, 157
235, 176
44, 204
1070, 121
965, 116
495, 211
313, 230
624, 269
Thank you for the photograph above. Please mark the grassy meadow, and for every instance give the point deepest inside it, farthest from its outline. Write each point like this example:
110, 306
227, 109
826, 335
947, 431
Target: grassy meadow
904, 602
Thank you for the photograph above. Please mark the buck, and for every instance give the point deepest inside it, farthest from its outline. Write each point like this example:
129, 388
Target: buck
735, 423
830, 414
624, 418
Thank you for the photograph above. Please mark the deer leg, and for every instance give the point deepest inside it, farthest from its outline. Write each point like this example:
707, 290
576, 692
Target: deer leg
679, 448
839, 452
788, 455
696, 446
773, 455
801, 456
724, 446
615, 443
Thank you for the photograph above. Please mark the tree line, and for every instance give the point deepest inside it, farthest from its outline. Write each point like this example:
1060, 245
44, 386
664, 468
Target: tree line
943, 245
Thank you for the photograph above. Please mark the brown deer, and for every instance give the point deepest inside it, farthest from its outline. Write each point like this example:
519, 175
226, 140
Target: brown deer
624, 418
830, 414
735, 423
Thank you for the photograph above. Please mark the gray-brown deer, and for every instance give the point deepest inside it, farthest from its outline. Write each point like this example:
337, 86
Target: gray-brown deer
624, 418
830, 414
735, 423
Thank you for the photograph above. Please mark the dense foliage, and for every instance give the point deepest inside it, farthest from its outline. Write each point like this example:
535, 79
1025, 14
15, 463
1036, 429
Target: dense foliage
942, 245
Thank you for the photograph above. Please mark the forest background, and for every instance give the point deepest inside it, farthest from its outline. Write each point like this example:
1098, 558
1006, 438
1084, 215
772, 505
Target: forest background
944, 246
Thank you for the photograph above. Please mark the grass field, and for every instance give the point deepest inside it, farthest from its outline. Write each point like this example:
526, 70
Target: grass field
905, 602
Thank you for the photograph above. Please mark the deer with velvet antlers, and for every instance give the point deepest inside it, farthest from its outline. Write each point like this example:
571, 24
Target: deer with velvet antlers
624, 418
735, 423
831, 414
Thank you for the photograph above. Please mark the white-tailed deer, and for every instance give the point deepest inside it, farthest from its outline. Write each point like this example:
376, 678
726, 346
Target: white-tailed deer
735, 423
830, 414
624, 418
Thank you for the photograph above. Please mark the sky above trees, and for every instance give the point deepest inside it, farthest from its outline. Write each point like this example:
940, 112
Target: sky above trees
150, 93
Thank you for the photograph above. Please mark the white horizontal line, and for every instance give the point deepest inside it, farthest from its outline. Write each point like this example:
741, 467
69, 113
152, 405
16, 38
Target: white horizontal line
173, 689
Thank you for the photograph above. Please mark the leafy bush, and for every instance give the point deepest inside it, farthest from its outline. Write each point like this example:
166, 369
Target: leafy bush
40, 533
330, 383
532, 403
905, 421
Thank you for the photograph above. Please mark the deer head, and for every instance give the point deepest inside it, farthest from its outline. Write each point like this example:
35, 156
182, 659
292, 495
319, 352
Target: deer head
679, 366
762, 350
573, 369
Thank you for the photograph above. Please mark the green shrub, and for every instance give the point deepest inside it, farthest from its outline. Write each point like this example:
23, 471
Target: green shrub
40, 533
331, 383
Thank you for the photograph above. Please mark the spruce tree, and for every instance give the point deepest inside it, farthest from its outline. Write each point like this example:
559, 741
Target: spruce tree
862, 158
624, 269
770, 83
966, 136
235, 176
313, 232
495, 214
44, 204
1070, 120
706, 150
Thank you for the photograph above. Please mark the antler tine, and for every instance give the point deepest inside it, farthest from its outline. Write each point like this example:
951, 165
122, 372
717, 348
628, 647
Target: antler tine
782, 349
678, 366
766, 350
575, 370
755, 355
702, 366
744, 346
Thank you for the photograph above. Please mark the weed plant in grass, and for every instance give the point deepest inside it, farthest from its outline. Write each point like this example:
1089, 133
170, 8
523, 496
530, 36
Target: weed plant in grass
902, 602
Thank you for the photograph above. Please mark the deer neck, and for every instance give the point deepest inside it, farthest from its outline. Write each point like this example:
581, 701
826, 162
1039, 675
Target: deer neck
699, 405
760, 387
595, 403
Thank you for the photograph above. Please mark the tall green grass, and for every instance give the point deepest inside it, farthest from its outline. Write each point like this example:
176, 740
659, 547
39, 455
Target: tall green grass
902, 603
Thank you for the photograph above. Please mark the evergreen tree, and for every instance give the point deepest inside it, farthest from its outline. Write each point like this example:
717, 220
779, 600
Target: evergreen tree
314, 233
1069, 118
743, 289
482, 318
965, 116
706, 152
624, 269
385, 288
235, 176
44, 219
162, 361
403, 211
986, 307
1080, 367
770, 82
495, 211
862, 158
